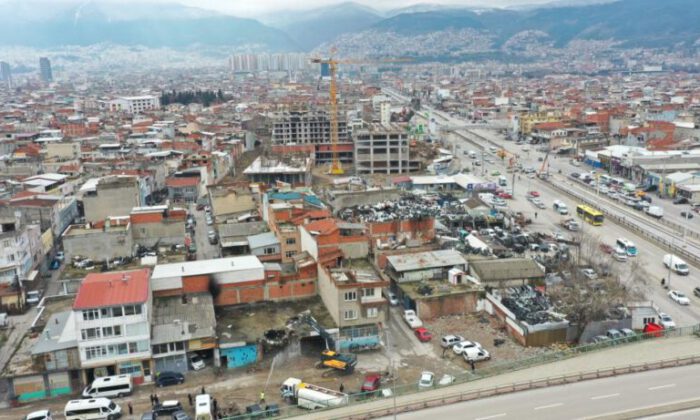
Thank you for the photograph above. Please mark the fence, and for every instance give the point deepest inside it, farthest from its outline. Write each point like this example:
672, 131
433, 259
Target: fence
622, 220
504, 367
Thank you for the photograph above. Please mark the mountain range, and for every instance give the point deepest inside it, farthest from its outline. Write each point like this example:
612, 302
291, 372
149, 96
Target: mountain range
631, 22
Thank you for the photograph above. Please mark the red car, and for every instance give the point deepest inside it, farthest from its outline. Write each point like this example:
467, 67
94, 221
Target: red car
505, 195
606, 248
371, 382
533, 194
423, 334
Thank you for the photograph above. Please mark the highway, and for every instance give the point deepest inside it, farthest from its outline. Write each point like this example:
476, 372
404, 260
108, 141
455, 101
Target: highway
587, 399
649, 268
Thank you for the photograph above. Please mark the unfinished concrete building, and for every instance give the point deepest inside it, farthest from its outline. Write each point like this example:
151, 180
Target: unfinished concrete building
312, 127
383, 149
291, 169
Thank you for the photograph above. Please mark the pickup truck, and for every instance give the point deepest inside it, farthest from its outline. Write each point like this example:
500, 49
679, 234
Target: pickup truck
412, 319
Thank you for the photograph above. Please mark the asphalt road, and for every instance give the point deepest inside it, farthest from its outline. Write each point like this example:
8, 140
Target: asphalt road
579, 400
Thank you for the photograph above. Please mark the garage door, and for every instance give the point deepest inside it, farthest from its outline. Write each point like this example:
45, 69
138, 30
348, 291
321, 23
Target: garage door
177, 363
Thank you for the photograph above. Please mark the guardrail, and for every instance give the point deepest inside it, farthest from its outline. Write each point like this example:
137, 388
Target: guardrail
457, 397
500, 368
691, 257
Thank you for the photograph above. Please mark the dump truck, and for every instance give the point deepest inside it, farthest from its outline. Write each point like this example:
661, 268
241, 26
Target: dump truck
311, 396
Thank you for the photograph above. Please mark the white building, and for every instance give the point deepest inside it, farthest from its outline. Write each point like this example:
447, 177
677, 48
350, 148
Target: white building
112, 313
134, 104
19, 245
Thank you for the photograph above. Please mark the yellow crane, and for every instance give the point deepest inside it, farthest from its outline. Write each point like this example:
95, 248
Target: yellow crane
336, 166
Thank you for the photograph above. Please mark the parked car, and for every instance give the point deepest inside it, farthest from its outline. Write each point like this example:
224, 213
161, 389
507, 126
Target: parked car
666, 321
371, 383
60, 255
212, 237
680, 200
599, 339
391, 297
613, 334
620, 255
475, 354
627, 332
533, 193
38, 415
446, 380
589, 273
423, 334
148, 415
169, 378
181, 415
167, 408
686, 215
427, 380
55, 264
460, 347
696, 291
450, 340
33, 297
409, 315
197, 362
679, 297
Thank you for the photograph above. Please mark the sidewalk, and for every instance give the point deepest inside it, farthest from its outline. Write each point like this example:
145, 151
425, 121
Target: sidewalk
643, 352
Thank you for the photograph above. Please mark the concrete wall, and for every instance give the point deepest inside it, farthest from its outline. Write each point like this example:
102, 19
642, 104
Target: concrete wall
63, 151
308, 243
434, 307
99, 245
355, 250
111, 202
168, 233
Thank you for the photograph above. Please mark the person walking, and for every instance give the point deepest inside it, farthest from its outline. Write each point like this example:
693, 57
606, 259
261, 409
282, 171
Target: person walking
342, 387
535, 215
153, 401
215, 404
203, 391
131, 408
262, 397
189, 398
471, 363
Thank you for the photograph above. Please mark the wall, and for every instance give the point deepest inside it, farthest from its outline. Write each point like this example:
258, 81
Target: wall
240, 356
169, 232
429, 308
99, 245
308, 243
111, 202
63, 151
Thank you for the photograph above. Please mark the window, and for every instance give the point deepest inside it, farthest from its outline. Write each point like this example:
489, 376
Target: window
90, 333
270, 250
113, 331
132, 309
350, 296
368, 291
117, 311
291, 241
91, 314
349, 314
372, 312
95, 352
290, 254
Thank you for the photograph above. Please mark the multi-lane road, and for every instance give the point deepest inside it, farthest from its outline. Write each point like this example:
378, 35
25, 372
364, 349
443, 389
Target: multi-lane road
649, 268
589, 399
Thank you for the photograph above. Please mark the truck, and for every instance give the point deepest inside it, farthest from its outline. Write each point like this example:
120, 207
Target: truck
311, 396
655, 211
409, 315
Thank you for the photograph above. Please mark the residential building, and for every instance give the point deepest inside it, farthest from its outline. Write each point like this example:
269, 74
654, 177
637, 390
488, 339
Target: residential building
20, 251
265, 246
45, 70
112, 313
100, 241
6, 74
134, 104
183, 189
113, 196
383, 149
158, 224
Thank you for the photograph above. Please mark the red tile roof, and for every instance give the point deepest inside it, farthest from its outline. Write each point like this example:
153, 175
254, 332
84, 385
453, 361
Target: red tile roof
110, 289
323, 227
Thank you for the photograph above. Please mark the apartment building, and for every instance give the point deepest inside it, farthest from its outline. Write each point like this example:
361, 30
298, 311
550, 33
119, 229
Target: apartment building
110, 196
383, 149
20, 250
112, 313
312, 127
134, 104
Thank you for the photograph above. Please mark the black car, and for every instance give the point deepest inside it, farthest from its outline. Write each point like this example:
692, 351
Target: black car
686, 215
169, 378
181, 415
680, 200
696, 291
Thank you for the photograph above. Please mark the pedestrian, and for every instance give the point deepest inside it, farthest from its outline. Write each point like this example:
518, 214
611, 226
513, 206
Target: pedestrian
262, 397
215, 404
203, 391
471, 363
663, 281
444, 349
131, 409
155, 398
535, 215
153, 401
342, 387
189, 398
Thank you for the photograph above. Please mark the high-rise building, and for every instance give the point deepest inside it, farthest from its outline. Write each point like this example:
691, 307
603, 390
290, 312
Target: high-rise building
5, 74
45, 69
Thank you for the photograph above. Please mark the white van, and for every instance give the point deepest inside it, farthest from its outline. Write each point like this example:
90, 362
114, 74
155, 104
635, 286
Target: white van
676, 264
475, 353
109, 386
502, 181
203, 407
38, 415
96, 408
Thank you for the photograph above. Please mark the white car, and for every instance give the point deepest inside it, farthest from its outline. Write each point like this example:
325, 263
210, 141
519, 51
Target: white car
620, 255
197, 362
412, 319
39, 415
666, 321
33, 297
446, 380
450, 340
460, 347
427, 380
391, 297
679, 297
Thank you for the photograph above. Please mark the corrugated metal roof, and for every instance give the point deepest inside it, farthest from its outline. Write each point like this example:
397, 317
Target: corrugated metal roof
426, 260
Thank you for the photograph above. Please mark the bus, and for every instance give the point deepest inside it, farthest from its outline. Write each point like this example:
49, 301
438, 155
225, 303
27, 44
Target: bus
589, 214
627, 246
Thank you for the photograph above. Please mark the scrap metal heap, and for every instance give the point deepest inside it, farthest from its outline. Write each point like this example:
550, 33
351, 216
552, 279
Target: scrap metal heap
528, 305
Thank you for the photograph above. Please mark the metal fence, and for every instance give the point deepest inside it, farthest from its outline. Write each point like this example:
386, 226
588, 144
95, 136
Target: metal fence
497, 369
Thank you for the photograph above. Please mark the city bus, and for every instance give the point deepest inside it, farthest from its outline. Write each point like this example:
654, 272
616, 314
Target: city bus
589, 214
627, 246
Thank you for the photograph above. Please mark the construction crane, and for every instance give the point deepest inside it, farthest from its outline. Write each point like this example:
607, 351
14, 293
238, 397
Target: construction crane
336, 166
542, 174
